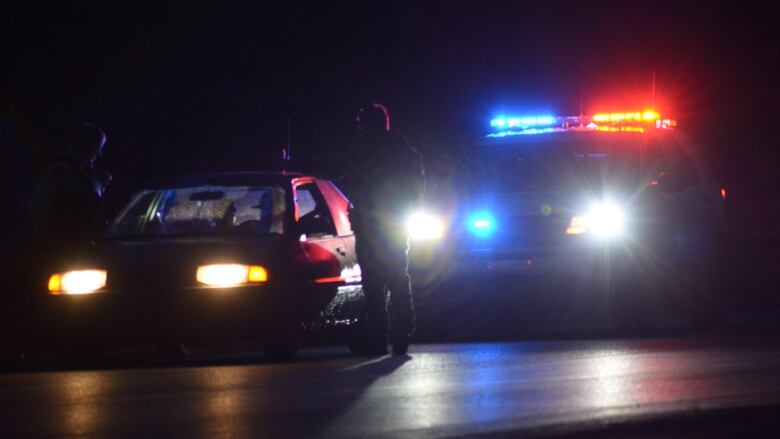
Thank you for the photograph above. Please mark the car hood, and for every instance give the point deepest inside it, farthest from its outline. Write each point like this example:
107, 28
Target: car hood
174, 261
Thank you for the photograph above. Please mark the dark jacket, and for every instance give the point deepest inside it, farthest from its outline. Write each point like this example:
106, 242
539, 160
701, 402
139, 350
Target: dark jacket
385, 178
67, 204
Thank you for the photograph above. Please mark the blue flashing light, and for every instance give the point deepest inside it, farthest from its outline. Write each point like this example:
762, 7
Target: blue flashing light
523, 122
482, 224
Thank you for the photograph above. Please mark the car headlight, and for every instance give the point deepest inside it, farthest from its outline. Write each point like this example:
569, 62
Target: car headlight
603, 220
77, 282
422, 226
230, 275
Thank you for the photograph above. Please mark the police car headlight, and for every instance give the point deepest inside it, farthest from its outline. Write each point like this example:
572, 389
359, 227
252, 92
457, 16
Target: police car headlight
603, 220
77, 282
422, 226
230, 275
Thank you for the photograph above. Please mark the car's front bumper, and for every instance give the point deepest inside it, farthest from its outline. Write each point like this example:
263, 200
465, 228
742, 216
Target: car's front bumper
576, 259
203, 316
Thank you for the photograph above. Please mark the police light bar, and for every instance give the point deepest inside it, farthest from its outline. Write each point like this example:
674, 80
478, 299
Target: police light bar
624, 121
523, 122
631, 116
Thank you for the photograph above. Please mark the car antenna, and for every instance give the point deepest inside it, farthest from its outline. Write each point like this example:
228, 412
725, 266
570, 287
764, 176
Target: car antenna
289, 138
286, 151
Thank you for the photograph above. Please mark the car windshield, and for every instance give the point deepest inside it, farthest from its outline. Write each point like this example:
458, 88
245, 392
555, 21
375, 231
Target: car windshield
573, 164
203, 210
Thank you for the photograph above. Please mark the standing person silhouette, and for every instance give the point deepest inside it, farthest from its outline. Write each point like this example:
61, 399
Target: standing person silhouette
385, 180
67, 206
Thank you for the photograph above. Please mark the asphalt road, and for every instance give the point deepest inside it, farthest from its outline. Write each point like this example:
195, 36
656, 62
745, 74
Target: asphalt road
534, 387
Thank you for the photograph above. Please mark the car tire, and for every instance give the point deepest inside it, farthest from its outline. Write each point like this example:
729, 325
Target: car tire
11, 360
362, 342
172, 353
280, 348
704, 286
282, 340
80, 358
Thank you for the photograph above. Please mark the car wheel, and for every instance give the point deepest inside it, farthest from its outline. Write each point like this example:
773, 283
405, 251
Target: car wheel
172, 352
11, 360
79, 358
703, 285
280, 348
364, 342
282, 340
357, 341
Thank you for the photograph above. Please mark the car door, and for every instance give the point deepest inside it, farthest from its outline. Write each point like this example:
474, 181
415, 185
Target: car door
325, 250
339, 209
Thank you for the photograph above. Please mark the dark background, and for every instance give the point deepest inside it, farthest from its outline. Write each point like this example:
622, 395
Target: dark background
182, 88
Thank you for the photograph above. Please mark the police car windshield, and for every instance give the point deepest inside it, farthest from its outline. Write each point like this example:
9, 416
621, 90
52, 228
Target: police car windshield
561, 162
202, 210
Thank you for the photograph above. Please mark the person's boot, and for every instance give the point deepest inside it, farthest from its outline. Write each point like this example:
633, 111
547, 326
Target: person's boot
376, 344
401, 343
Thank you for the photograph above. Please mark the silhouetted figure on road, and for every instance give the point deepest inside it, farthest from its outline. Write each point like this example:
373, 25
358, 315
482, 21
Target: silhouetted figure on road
384, 181
68, 201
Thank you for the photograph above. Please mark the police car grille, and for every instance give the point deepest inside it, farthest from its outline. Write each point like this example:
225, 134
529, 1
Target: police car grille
519, 233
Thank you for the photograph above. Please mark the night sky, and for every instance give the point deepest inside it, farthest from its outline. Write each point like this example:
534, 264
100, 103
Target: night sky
184, 88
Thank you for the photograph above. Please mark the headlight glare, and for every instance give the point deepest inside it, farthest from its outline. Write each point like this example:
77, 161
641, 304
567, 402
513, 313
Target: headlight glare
422, 226
77, 282
230, 275
603, 220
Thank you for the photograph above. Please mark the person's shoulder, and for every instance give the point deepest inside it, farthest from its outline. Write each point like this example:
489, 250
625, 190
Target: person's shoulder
400, 140
397, 138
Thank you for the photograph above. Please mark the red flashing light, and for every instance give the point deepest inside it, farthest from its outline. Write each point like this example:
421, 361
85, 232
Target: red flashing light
631, 116
723, 192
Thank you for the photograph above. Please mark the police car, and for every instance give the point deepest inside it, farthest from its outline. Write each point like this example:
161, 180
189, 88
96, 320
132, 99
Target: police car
211, 259
622, 202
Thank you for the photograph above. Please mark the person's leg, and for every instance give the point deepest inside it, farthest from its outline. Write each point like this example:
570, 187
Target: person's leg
402, 304
375, 323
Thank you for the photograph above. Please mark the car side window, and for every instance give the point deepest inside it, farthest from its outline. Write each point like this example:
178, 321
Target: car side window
313, 214
132, 220
339, 206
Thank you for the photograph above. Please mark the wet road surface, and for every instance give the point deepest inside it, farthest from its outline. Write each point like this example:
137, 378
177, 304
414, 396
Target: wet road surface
437, 390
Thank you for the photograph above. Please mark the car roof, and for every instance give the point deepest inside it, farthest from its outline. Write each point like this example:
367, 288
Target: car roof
226, 179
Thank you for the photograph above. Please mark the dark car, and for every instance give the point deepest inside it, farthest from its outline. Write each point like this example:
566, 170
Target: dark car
618, 208
210, 259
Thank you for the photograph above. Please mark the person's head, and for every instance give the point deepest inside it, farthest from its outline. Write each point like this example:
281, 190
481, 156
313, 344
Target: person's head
372, 120
87, 141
